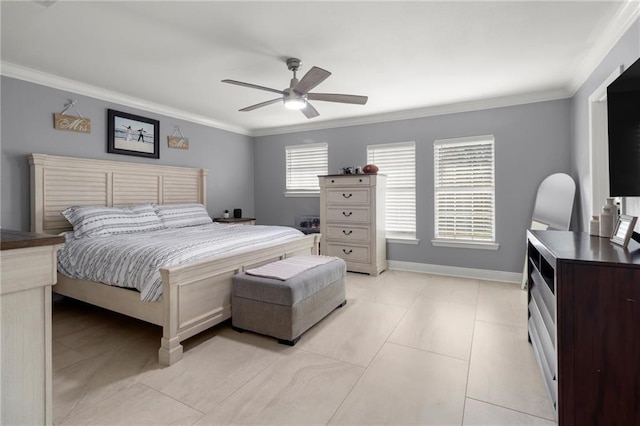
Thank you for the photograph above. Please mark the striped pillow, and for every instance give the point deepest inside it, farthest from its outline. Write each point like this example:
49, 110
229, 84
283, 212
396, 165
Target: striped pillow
182, 215
95, 220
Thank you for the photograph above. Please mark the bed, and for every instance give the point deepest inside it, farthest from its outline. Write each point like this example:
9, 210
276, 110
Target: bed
195, 295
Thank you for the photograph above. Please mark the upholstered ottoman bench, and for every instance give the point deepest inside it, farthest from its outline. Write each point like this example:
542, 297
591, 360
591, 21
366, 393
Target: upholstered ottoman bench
285, 298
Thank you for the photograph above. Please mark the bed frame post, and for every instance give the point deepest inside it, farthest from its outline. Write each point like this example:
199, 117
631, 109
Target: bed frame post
170, 348
36, 163
203, 186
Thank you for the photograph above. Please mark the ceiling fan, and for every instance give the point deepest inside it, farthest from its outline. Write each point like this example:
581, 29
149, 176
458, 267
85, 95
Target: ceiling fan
297, 95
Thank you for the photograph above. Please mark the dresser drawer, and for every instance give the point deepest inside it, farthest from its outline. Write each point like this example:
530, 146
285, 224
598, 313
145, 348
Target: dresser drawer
355, 180
347, 214
348, 196
349, 233
349, 252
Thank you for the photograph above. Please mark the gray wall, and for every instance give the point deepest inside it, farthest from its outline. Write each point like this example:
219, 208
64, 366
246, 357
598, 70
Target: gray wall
625, 52
532, 141
27, 126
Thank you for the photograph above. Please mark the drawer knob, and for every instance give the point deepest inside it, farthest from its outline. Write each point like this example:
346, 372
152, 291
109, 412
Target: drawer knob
345, 251
347, 214
360, 180
347, 233
333, 181
346, 196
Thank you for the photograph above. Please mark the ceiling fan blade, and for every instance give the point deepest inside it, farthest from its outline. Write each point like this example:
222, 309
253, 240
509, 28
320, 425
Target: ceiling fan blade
253, 86
309, 111
261, 104
311, 79
336, 97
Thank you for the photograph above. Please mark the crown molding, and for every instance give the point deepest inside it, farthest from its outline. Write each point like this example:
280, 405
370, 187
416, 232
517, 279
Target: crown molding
478, 105
617, 27
34, 76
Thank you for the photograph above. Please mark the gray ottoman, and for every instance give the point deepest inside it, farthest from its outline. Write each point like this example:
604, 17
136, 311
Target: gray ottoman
286, 309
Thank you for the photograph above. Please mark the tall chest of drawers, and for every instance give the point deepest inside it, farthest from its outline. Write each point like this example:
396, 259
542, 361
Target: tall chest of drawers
352, 221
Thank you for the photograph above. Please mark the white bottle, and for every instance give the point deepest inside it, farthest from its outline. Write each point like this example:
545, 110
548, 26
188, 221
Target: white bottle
606, 222
614, 212
594, 225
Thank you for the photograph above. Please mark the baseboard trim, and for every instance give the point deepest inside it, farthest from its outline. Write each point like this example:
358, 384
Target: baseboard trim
457, 271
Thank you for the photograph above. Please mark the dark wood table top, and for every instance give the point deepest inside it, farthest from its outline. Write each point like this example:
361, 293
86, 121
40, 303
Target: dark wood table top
10, 240
580, 246
233, 219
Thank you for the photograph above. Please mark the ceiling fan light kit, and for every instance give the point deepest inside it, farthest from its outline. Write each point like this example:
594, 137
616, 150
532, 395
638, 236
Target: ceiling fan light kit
292, 100
297, 95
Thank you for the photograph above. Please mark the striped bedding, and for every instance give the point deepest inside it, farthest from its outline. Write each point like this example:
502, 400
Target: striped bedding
134, 260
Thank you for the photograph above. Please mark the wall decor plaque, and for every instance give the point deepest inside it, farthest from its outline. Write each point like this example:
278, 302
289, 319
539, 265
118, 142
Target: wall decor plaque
178, 142
73, 123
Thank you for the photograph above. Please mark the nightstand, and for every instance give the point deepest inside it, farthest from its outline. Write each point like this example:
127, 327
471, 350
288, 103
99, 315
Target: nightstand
236, 220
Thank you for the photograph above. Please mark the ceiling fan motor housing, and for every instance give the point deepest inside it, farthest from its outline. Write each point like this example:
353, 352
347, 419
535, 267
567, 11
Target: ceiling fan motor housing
294, 64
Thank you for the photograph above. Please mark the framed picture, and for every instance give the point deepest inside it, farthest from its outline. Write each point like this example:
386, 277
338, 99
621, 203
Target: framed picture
131, 134
623, 230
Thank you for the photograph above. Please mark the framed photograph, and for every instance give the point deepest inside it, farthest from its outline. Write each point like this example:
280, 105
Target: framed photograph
623, 230
130, 134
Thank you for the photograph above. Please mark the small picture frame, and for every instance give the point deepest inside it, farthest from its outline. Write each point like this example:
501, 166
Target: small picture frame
130, 134
623, 230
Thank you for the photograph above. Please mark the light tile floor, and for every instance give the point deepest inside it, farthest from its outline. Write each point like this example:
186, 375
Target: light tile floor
408, 348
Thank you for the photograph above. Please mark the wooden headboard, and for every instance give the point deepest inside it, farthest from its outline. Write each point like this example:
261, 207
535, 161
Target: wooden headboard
60, 182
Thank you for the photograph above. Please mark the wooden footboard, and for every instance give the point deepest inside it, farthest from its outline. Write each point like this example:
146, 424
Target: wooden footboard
199, 293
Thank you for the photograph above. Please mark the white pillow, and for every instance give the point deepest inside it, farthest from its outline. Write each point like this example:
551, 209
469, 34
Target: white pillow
96, 220
182, 215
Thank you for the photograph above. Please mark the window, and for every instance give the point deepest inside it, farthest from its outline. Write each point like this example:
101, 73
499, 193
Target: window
465, 192
398, 162
304, 163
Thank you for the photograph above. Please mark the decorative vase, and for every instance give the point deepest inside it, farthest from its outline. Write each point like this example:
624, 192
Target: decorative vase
594, 225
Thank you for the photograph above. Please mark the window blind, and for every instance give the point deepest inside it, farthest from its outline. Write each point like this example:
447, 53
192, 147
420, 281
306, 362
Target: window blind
398, 162
303, 164
465, 189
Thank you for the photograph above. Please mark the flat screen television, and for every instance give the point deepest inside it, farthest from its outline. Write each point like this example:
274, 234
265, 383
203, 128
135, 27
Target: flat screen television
623, 106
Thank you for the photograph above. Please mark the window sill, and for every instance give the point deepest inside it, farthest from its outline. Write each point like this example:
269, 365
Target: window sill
400, 240
465, 244
302, 194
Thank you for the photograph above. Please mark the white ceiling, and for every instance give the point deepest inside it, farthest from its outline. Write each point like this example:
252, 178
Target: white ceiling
411, 58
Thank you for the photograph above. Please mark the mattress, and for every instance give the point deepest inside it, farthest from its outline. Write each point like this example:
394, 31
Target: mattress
134, 260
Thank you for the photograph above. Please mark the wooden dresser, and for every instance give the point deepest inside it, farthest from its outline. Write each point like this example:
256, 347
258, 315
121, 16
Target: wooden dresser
28, 270
352, 220
584, 325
